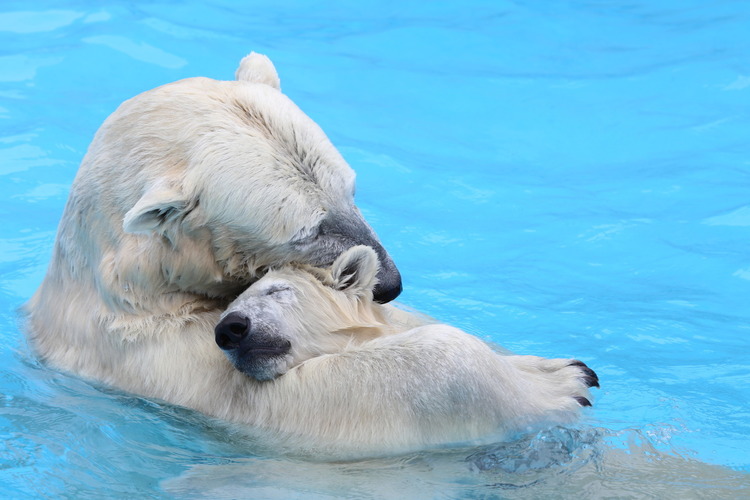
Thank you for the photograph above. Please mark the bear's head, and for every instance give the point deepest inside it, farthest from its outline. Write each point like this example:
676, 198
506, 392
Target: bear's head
199, 186
296, 313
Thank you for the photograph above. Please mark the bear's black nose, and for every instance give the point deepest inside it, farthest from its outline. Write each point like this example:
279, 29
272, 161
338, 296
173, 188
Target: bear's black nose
231, 330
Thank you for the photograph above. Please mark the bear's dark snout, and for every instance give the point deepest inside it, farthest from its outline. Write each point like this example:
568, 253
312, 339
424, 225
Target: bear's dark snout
388, 289
231, 330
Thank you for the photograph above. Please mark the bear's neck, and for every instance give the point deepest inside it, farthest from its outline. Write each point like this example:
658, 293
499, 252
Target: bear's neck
375, 320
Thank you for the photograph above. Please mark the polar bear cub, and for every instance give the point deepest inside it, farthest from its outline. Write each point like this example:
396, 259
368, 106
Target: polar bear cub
327, 364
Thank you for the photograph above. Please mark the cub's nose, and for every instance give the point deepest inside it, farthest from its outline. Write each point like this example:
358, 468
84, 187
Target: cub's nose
231, 330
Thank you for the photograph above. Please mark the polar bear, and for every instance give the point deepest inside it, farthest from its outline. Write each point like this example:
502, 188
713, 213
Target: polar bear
326, 364
186, 195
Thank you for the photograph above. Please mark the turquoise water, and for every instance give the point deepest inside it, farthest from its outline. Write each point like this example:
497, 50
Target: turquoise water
562, 178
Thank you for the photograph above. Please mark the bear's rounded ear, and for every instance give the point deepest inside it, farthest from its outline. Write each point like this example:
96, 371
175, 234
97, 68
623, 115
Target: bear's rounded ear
257, 68
355, 270
158, 206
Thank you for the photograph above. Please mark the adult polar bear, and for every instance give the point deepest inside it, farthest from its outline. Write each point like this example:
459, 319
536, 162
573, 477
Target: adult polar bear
187, 194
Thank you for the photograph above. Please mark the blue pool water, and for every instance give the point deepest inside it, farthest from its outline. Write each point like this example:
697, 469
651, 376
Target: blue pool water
562, 178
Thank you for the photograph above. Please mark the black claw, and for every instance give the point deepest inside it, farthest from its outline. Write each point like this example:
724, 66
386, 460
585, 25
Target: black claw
582, 401
591, 382
589, 376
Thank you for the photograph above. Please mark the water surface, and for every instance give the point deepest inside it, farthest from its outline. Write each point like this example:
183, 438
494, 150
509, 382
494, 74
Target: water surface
563, 179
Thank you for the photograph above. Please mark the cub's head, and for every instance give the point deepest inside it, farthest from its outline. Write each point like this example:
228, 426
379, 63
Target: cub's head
296, 313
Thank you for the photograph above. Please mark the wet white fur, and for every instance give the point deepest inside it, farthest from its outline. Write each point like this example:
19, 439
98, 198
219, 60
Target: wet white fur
166, 225
186, 194
356, 382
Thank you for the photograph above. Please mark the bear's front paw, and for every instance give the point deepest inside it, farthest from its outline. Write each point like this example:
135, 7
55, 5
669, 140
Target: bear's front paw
557, 384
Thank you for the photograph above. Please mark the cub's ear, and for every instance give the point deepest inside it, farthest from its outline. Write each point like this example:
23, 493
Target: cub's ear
257, 68
158, 206
355, 270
